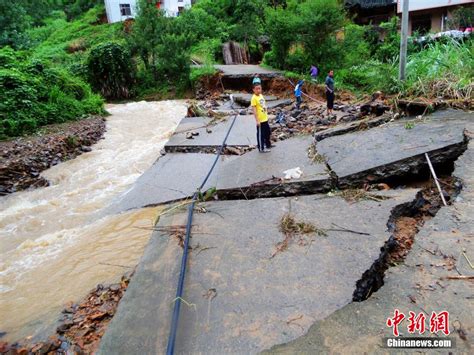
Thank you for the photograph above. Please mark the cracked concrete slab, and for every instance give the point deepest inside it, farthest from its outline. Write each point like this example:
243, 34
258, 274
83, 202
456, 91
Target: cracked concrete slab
238, 298
394, 148
349, 127
244, 99
245, 70
243, 133
174, 176
419, 285
257, 174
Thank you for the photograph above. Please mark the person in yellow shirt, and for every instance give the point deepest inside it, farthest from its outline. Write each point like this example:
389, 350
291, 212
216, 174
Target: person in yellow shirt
261, 117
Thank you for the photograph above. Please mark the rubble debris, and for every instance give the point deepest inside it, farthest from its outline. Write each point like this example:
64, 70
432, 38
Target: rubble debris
356, 195
23, 159
81, 326
376, 105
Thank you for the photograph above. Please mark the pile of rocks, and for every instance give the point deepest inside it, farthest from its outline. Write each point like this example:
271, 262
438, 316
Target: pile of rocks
309, 118
24, 158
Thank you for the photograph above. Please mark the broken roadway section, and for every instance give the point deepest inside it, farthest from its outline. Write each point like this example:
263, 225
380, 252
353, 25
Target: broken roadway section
238, 297
395, 149
176, 176
238, 71
434, 277
241, 294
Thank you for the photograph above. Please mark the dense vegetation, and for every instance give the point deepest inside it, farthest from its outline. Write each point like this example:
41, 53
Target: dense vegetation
55, 53
35, 94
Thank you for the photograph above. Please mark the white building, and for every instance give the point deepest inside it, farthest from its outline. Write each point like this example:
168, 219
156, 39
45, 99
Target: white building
120, 10
430, 15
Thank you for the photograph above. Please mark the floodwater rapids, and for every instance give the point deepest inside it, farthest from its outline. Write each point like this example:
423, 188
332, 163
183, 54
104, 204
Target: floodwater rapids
56, 242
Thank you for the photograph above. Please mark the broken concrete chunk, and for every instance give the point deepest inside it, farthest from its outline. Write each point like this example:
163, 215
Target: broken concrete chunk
392, 150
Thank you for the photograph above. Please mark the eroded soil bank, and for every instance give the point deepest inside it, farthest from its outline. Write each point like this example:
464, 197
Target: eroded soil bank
23, 159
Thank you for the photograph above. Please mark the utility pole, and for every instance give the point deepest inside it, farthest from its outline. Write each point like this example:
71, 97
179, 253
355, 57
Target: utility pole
403, 40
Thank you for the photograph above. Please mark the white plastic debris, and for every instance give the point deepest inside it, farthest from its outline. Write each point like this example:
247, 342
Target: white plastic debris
294, 173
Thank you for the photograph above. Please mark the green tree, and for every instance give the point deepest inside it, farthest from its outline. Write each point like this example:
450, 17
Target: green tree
317, 22
248, 19
304, 33
14, 21
281, 24
111, 70
75, 8
162, 43
147, 31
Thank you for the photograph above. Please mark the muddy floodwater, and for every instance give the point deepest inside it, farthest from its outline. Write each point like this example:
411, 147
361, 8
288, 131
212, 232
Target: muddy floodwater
56, 243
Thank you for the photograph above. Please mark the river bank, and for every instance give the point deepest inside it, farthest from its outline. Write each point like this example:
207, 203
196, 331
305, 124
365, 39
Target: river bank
23, 159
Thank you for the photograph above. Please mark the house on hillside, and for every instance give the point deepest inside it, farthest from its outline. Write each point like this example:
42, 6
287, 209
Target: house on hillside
430, 15
425, 15
120, 10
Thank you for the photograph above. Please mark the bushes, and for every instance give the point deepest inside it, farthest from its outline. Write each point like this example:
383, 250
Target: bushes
310, 27
34, 94
111, 70
442, 70
199, 72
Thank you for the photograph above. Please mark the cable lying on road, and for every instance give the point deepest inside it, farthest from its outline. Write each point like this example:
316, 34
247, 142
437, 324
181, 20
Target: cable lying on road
182, 274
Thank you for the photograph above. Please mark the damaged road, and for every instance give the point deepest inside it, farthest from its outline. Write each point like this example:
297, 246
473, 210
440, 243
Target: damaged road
395, 149
232, 247
248, 281
434, 277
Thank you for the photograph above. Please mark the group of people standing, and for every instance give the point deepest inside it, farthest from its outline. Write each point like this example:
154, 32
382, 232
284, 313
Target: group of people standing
259, 107
329, 84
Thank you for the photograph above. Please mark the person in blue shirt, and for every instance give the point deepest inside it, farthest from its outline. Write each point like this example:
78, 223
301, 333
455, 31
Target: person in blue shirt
298, 93
330, 91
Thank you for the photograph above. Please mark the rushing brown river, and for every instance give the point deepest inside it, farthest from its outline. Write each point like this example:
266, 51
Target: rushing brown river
56, 243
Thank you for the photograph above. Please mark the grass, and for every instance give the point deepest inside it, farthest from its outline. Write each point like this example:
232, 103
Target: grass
290, 227
443, 70
356, 195
64, 43
201, 71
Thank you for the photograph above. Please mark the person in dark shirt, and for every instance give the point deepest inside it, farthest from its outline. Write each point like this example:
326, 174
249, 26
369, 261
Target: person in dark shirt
330, 91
